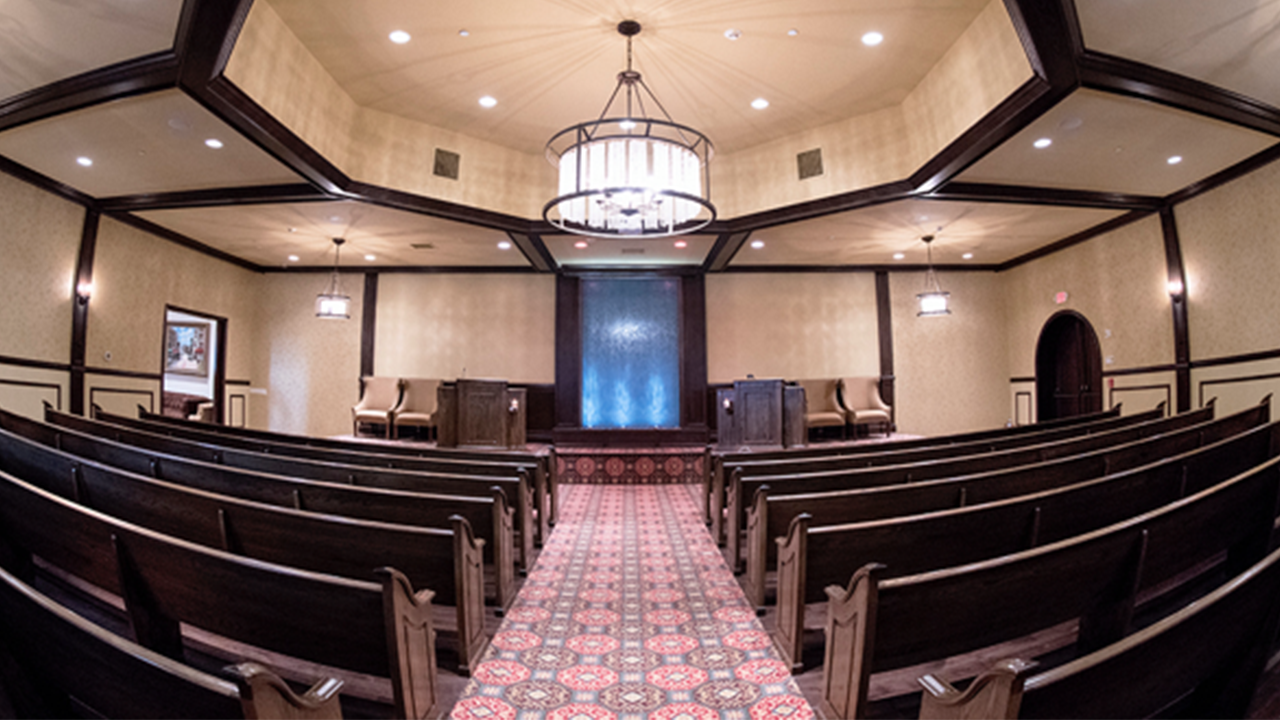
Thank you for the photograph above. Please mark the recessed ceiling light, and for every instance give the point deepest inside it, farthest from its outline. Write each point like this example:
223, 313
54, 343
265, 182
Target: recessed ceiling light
759, 103
488, 101
1175, 160
293, 258
793, 32
757, 244
370, 258
464, 33
682, 243
84, 161
733, 34
400, 37
504, 245
581, 244
214, 143
967, 256
1042, 143
899, 256
293, 229
335, 218
872, 39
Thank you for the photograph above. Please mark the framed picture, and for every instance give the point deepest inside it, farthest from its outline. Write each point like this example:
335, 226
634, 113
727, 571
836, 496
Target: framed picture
186, 349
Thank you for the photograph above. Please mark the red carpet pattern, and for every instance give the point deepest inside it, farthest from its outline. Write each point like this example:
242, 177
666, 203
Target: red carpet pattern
615, 466
631, 613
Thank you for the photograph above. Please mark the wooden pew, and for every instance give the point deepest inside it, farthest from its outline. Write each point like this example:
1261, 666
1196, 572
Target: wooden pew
770, 515
874, 624
812, 558
717, 475
742, 489
377, 628
449, 560
541, 467
49, 654
516, 486
491, 518
1203, 660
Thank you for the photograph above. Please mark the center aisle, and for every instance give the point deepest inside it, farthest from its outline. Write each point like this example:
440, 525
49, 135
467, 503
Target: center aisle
629, 613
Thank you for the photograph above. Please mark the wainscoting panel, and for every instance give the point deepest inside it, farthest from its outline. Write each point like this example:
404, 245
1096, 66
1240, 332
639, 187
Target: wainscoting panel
120, 395
25, 390
1236, 386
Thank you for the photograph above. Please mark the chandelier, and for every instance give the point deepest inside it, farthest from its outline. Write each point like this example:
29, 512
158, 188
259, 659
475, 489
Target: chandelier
629, 174
933, 301
333, 304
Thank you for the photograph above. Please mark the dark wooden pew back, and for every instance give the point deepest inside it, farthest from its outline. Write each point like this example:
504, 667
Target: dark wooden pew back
382, 629
875, 625
1202, 661
447, 560
51, 655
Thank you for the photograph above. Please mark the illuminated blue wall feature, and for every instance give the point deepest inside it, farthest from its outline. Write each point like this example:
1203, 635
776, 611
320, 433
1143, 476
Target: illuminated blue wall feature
631, 353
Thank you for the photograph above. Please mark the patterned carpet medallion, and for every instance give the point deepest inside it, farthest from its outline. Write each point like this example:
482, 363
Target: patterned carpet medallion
625, 466
631, 613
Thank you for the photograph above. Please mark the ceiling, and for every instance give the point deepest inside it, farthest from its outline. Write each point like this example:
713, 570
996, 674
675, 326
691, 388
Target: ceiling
551, 63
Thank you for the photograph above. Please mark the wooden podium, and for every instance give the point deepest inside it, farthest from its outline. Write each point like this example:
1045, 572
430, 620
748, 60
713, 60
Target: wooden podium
480, 413
766, 413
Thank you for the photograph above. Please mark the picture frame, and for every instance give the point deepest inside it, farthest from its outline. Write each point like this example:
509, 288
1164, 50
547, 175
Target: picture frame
186, 349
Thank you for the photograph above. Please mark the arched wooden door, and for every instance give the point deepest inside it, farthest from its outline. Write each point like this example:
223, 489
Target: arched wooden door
1068, 368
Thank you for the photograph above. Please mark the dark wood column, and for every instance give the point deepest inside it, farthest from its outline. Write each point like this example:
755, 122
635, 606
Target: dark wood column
368, 324
568, 352
693, 351
1178, 304
884, 326
80, 308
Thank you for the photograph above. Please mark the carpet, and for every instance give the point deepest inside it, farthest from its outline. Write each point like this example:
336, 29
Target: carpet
630, 613
630, 466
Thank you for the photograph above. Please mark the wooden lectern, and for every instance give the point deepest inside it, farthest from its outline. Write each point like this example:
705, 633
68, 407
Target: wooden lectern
760, 413
480, 413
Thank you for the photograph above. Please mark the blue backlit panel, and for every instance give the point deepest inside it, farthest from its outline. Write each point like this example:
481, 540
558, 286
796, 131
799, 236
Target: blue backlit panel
631, 353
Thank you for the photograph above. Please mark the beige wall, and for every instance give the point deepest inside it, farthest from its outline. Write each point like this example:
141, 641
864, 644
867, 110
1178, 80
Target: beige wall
791, 325
39, 244
310, 368
1117, 281
434, 326
951, 372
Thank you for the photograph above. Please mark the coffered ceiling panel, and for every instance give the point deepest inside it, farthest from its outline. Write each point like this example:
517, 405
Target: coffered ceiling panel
147, 144
574, 250
991, 233
268, 235
552, 63
1234, 44
1108, 143
43, 41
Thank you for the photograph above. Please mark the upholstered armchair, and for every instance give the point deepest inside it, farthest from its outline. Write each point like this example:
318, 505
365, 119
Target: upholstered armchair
203, 413
381, 394
417, 405
860, 398
822, 404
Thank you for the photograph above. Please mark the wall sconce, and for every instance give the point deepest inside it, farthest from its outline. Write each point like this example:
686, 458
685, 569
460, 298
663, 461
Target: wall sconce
1175, 289
83, 291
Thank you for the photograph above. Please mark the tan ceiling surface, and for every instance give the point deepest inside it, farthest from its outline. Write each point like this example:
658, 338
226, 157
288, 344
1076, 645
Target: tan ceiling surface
629, 252
261, 235
43, 41
146, 144
993, 232
553, 63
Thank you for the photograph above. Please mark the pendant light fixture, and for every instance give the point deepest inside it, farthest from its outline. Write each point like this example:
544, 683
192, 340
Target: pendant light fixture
933, 301
628, 174
333, 304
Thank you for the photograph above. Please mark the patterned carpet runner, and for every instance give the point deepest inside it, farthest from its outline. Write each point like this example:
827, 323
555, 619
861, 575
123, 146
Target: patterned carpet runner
631, 613
629, 466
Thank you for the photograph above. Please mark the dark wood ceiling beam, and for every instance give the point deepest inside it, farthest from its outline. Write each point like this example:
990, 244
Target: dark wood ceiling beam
213, 197
535, 251
1240, 169
1026, 195
158, 71
1082, 236
810, 209
726, 246
1100, 71
183, 240
44, 182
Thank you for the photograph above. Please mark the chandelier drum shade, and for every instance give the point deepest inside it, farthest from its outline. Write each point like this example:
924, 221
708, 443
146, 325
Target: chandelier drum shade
631, 175
333, 304
933, 301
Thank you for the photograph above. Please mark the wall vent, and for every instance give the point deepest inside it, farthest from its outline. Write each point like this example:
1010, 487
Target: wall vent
632, 251
423, 246
809, 163
446, 165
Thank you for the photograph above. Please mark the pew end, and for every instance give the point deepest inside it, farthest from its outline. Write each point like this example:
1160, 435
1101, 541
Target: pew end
757, 548
411, 643
264, 695
468, 563
995, 694
793, 551
850, 640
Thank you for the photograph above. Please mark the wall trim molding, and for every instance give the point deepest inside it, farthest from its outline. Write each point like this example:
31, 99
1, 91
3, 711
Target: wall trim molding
30, 383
